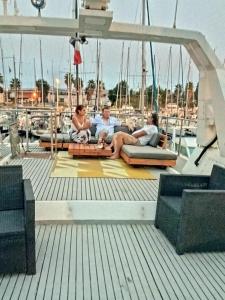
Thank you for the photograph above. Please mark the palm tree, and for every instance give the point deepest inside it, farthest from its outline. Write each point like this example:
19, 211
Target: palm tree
46, 88
68, 79
80, 83
90, 89
15, 83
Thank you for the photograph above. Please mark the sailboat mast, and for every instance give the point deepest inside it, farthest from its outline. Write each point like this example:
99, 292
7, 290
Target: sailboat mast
77, 68
97, 80
143, 77
53, 85
15, 88
70, 83
168, 74
171, 84
187, 91
154, 88
121, 77
118, 86
127, 86
3, 73
20, 67
42, 83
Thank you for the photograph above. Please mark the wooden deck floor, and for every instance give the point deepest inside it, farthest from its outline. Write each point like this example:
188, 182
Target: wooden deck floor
114, 262
46, 188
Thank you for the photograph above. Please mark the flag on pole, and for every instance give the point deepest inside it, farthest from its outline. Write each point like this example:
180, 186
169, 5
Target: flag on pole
77, 57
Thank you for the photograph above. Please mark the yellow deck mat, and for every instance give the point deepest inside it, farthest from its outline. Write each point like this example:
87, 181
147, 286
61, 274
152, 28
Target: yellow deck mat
66, 166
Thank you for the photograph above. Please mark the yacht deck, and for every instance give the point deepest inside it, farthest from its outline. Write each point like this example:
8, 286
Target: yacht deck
114, 262
106, 260
47, 188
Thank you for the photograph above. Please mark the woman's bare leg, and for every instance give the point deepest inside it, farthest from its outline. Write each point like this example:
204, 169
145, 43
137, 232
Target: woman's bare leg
119, 140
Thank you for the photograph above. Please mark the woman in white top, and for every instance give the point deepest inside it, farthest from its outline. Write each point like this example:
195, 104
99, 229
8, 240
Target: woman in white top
140, 137
80, 132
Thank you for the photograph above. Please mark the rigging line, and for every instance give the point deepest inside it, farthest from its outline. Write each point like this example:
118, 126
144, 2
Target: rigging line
175, 15
155, 104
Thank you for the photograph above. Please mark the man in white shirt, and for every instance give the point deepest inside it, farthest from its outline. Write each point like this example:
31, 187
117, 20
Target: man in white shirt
104, 125
140, 137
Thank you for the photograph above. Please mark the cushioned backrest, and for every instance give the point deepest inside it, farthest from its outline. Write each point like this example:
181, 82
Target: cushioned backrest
122, 128
217, 178
93, 129
11, 187
154, 141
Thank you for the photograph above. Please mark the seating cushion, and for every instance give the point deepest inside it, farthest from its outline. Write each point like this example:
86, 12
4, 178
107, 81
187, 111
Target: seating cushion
148, 152
61, 137
154, 141
11, 222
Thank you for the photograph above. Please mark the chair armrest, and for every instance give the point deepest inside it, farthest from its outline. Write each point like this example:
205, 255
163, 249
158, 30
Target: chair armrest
192, 199
29, 214
174, 184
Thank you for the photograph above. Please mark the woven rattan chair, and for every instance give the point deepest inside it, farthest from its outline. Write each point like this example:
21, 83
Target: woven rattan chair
191, 211
17, 222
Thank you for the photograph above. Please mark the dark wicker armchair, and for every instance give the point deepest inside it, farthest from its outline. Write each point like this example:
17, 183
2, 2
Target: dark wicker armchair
17, 222
191, 211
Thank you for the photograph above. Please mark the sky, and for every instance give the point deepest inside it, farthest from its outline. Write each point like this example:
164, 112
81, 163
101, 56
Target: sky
201, 15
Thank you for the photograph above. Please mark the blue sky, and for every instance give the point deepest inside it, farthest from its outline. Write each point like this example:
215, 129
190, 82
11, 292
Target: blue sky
207, 18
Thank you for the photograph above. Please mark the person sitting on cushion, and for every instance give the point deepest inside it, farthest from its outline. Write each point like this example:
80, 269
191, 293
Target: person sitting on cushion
140, 137
80, 132
104, 126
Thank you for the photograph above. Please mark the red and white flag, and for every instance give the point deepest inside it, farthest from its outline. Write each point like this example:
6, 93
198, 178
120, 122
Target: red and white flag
77, 57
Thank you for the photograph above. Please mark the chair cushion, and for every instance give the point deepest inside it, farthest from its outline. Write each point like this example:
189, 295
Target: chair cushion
154, 141
61, 137
148, 152
11, 222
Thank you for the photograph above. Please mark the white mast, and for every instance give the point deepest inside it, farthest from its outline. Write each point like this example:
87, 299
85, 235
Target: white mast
168, 75
127, 87
143, 78
20, 68
187, 92
5, 12
3, 73
121, 77
42, 84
